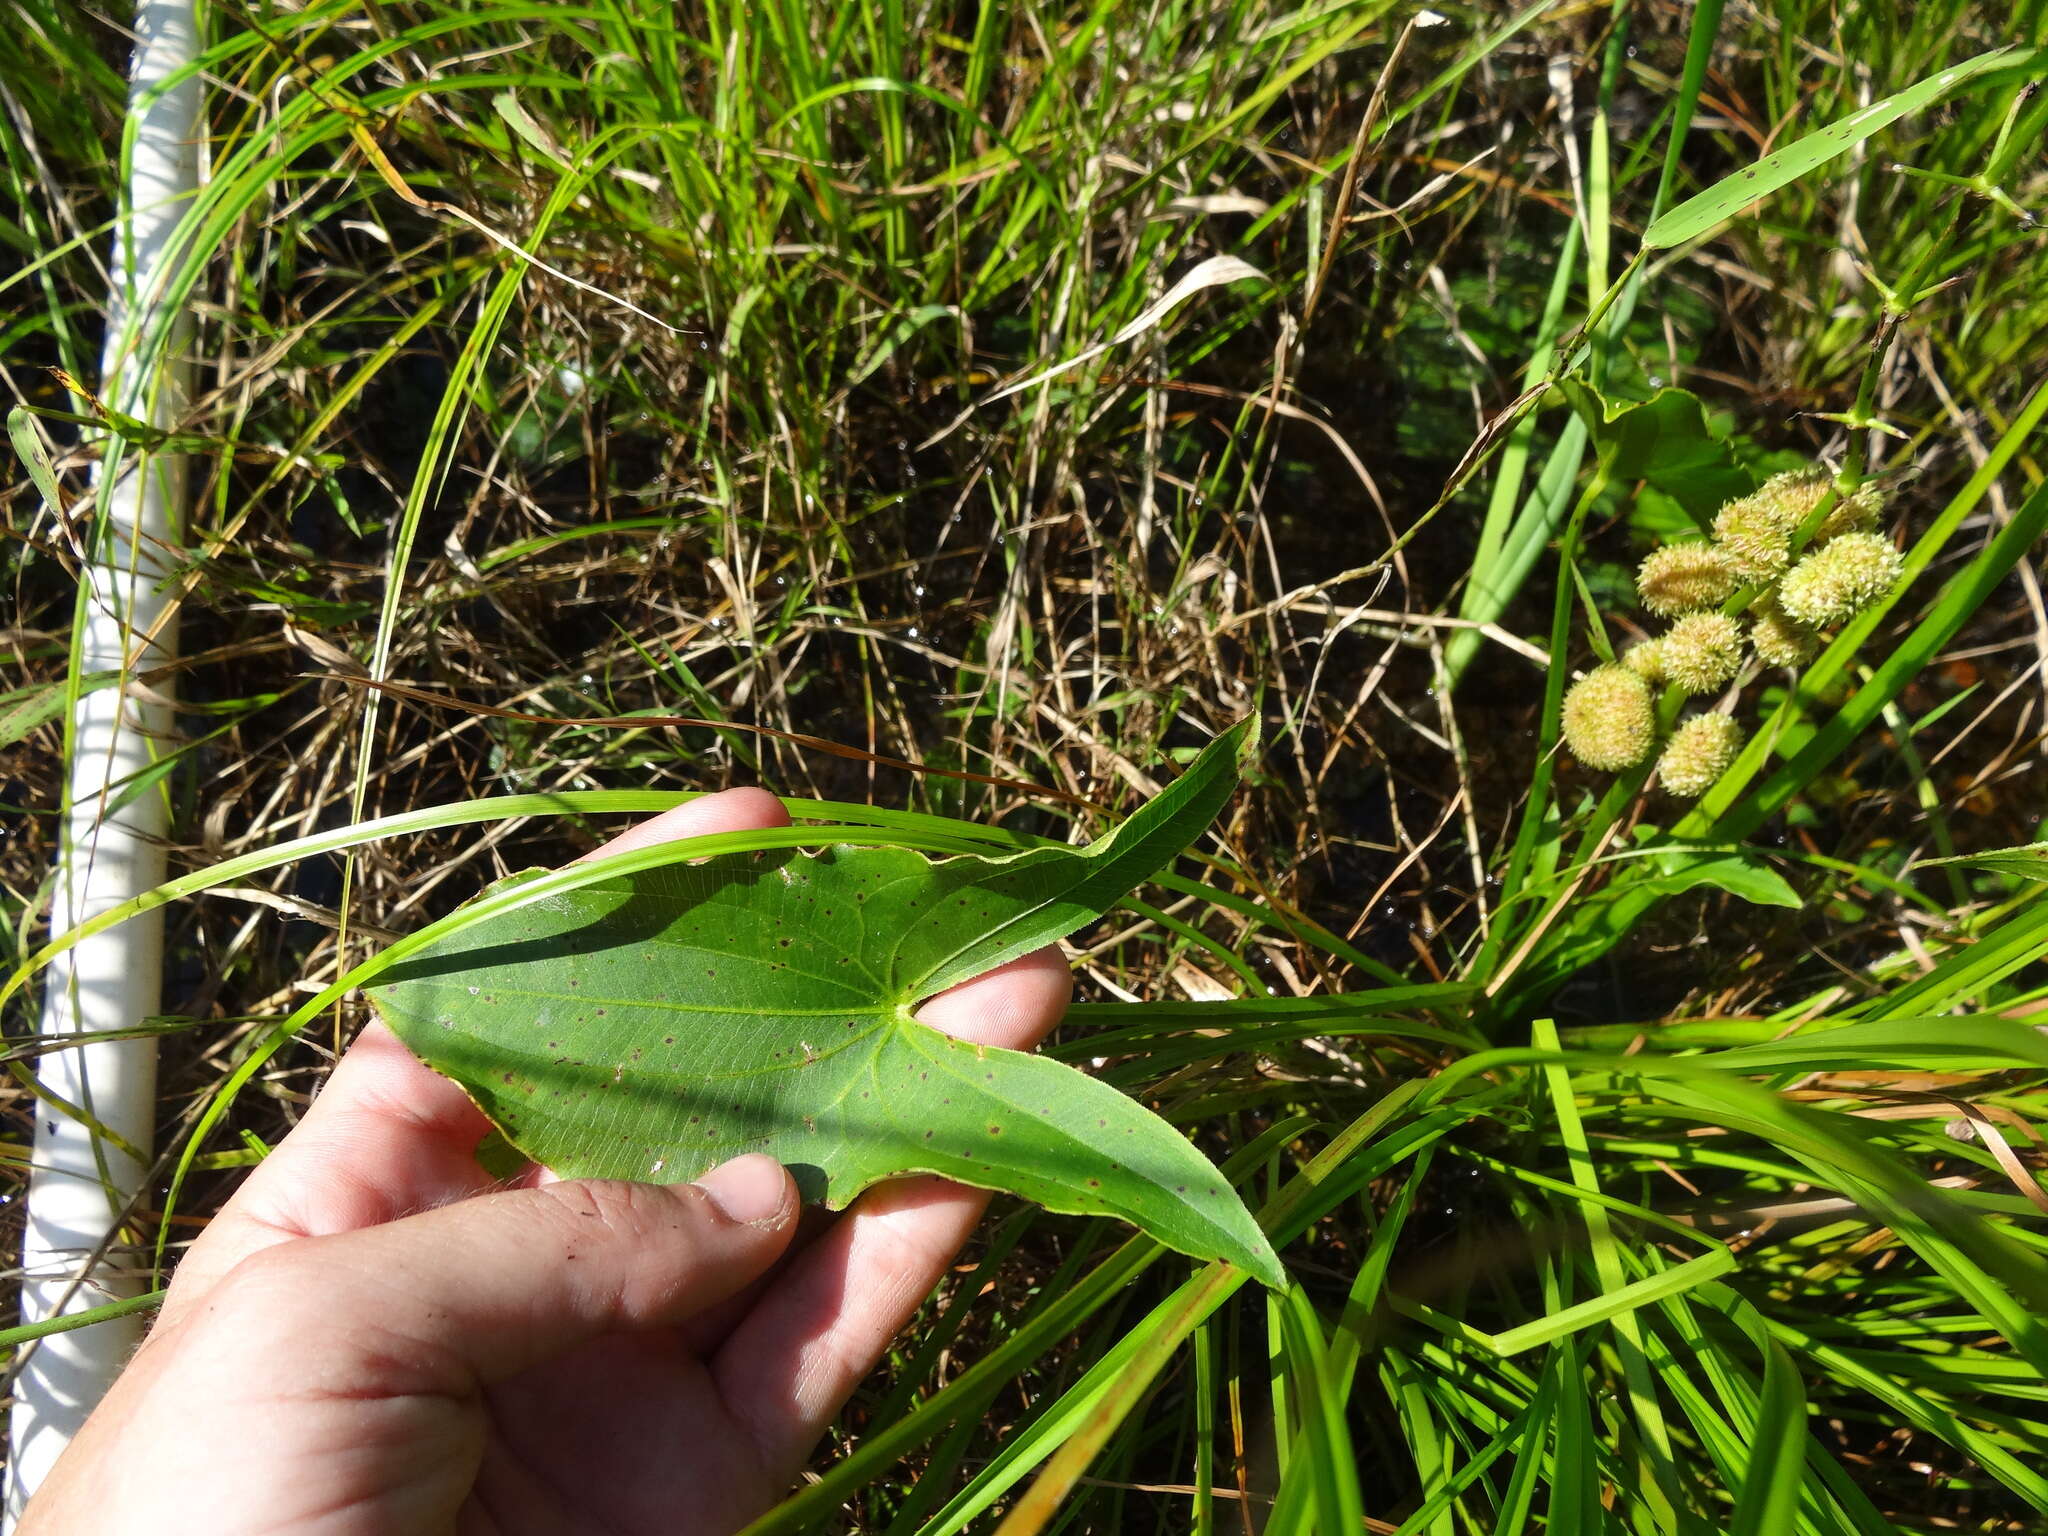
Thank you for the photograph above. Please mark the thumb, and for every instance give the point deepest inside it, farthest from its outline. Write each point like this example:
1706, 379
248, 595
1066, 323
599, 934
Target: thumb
471, 1293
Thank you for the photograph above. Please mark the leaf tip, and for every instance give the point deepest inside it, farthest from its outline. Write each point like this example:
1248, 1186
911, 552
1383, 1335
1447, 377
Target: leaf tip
1263, 1265
1243, 742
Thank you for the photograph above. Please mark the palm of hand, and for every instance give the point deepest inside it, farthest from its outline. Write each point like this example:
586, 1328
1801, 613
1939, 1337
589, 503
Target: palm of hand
627, 1436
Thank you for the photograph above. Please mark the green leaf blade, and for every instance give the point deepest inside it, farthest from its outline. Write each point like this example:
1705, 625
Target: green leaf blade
1727, 197
1047, 893
2029, 862
1740, 873
1666, 440
653, 1025
1037, 1128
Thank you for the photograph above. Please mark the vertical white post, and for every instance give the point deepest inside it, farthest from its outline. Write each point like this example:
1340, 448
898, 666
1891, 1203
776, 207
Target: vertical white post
73, 1256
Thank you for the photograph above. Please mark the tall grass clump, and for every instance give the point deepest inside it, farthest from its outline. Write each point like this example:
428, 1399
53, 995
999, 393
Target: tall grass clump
591, 392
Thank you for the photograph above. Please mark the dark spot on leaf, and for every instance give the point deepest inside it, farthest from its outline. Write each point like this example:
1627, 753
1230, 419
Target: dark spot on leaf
995, 1130
668, 1039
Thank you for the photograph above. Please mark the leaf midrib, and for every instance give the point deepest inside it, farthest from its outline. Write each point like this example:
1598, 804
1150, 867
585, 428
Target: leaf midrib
881, 1021
865, 1005
941, 1057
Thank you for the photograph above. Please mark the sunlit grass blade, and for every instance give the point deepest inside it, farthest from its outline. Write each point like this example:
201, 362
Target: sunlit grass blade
1699, 214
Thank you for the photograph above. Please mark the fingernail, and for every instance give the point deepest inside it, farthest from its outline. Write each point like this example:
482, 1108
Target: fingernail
748, 1189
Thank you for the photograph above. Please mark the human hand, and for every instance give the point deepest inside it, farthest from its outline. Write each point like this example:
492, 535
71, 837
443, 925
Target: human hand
374, 1337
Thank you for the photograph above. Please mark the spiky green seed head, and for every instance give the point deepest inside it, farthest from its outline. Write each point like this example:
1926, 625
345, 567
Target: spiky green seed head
1754, 535
1756, 530
1682, 578
1840, 579
1698, 753
1780, 641
1609, 723
1798, 491
1646, 660
1702, 651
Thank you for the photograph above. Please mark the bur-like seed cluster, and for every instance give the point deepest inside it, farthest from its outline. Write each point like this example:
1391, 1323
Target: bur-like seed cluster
1702, 651
1609, 723
1780, 641
1755, 531
1698, 753
1754, 535
1799, 491
1840, 579
1683, 578
1609, 717
1646, 660
1857, 513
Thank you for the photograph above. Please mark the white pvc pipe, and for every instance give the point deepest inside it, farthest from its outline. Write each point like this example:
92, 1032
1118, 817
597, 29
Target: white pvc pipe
80, 1185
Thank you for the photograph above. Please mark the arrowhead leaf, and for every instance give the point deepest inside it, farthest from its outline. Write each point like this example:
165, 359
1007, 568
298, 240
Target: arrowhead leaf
1666, 440
652, 1025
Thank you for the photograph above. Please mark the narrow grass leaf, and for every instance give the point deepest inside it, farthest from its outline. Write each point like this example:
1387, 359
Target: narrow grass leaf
28, 447
23, 710
2029, 862
1697, 215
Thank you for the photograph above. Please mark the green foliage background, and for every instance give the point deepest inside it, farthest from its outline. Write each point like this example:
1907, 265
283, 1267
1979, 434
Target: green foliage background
1620, 1195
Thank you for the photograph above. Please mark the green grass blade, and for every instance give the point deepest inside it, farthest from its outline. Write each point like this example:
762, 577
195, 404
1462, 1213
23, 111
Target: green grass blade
1698, 215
